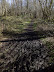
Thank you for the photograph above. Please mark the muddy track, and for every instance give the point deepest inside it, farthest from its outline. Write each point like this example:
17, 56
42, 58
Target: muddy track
23, 56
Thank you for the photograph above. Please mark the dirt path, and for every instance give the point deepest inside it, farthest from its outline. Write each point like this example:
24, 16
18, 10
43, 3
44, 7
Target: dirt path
29, 27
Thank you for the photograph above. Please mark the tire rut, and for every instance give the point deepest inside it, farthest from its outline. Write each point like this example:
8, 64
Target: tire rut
21, 53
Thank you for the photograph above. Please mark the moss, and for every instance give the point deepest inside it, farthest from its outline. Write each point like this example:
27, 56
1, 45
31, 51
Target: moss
49, 44
51, 60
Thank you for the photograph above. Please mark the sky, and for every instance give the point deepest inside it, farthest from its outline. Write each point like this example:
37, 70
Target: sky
11, 0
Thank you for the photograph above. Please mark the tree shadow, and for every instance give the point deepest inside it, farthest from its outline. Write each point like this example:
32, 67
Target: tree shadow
28, 35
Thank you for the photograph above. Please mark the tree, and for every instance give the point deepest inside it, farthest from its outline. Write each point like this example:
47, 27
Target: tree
46, 8
35, 8
5, 7
27, 8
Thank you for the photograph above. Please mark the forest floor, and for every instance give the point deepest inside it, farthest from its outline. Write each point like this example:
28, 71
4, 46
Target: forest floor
42, 29
21, 25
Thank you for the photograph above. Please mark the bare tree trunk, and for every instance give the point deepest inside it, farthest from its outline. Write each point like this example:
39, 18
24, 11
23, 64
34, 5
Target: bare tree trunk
35, 11
17, 7
21, 6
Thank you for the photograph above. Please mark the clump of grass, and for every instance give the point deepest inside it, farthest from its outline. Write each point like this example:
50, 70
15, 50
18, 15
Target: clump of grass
50, 46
